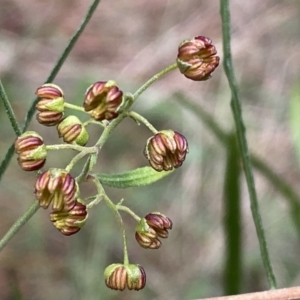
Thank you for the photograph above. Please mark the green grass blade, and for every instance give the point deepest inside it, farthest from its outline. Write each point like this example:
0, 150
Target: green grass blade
9, 111
242, 141
232, 274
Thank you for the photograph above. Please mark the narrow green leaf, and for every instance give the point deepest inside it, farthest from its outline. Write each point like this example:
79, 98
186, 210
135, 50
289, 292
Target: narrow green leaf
9, 110
242, 140
232, 273
133, 178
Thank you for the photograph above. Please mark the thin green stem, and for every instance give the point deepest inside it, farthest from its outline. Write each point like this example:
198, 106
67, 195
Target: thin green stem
8, 156
114, 209
86, 168
242, 141
9, 111
109, 129
73, 147
92, 121
90, 198
18, 224
139, 118
94, 202
83, 151
153, 79
74, 107
129, 211
75, 160
64, 56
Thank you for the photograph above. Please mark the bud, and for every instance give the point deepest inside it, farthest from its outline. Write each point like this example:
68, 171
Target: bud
146, 236
102, 100
118, 277
59, 186
50, 104
31, 151
196, 58
73, 131
160, 223
166, 150
68, 223
151, 227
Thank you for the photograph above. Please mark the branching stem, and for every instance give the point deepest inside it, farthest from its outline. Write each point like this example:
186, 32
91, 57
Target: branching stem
137, 117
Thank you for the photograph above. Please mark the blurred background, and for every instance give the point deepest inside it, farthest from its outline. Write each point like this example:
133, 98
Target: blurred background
129, 41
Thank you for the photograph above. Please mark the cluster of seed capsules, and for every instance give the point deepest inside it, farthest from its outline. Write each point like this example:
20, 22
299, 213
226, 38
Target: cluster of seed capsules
103, 101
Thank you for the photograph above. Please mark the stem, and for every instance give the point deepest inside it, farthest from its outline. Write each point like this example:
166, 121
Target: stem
19, 223
243, 146
153, 79
8, 156
86, 168
74, 107
75, 159
129, 211
9, 111
114, 209
138, 117
94, 202
73, 147
92, 121
64, 56
108, 130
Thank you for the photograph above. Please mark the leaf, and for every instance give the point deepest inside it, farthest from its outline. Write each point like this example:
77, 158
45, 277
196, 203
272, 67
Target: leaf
295, 119
133, 178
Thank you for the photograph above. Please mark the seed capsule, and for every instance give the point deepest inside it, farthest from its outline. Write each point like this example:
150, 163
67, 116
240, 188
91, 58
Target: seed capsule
59, 187
102, 100
72, 130
50, 104
166, 150
154, 226
69, 223
118, 277
31, 150
197, 58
